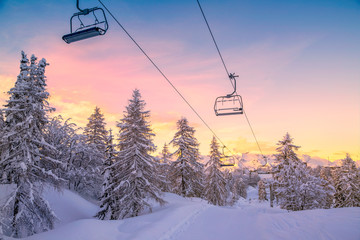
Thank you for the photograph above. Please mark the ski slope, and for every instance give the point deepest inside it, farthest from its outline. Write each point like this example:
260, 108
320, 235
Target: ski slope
195, 219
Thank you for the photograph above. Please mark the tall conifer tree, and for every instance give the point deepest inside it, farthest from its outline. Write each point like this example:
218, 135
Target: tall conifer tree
347, 184
135, 177
295, 187
163, 166
95, 139
95, 130
107, 199
22, 161
215, 184
186, 172
262, 190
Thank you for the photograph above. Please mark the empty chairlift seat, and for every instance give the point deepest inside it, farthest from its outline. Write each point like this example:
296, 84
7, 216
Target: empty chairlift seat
228, 105
90, 23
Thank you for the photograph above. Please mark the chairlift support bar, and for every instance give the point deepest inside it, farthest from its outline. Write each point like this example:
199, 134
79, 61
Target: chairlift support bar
232, 76
77, 6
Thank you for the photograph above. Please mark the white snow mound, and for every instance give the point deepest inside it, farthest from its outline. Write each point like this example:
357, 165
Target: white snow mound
193, 218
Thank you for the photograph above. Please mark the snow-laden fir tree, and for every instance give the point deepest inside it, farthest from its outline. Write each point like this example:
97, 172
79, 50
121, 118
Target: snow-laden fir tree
2, 122
186, 173
95, 137
163, 165
62, 135
107, 199
25, 212
236, 186
240, 183
95, 131
295, 188
347, 184
313, 192
262, 191
2, 126
230, 199
77, 156
325, 175
215, 185
136, 176
85, 169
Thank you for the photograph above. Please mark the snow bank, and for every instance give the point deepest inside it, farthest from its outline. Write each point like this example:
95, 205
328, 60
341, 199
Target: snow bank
69, 206
193, 218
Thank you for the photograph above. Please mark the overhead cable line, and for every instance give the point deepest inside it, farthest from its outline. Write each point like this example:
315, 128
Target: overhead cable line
213, 38
227, 72
159, 70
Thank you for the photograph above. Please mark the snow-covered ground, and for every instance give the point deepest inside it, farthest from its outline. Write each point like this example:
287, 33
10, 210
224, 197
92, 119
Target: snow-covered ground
195, 219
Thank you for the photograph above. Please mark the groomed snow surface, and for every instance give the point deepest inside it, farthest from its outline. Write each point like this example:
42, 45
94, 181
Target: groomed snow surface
193, 218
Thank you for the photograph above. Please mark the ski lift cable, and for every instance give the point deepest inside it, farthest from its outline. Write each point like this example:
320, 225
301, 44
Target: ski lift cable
213, 38
159, 70
227, 72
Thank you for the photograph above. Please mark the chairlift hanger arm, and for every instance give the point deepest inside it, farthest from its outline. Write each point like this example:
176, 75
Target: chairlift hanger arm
232, 76
81, 10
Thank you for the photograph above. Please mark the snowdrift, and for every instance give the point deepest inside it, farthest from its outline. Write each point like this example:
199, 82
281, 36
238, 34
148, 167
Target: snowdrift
193, 218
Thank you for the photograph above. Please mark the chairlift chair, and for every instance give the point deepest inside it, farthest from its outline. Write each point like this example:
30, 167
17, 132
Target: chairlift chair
85, 31
230, 104
228, 161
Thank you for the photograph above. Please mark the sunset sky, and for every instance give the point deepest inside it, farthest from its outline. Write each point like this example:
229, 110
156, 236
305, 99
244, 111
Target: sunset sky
298, 64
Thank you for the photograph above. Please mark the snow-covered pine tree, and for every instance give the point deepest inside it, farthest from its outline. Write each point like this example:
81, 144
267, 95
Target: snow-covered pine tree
76, 155
107, 200
2, 126
62, 135
262, 190
84, 169
163, 166
325, 175
286, 180
95, 130
347, 184
135, 177
314, 194
235, 185
25, 212
215, 185
95, 137
295, 188
231, 198
2, 122
240, 185
186, 173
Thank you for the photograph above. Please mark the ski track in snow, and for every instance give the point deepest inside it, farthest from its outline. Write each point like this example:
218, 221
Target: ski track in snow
182, 226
